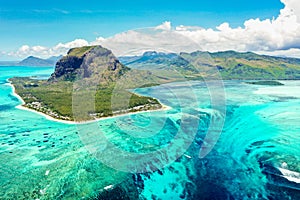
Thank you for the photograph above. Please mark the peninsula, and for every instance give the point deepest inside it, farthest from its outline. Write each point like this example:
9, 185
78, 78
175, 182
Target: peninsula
91, 72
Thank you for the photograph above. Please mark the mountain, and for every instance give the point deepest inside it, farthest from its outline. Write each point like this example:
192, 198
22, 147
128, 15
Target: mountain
248, 65
230, 64
35, 61
158, 60
149, 56
128, 59
92, 63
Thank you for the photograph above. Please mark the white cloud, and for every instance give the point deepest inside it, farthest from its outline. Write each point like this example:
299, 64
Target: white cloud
282, 53
277, 36
185, 28
135, 42
45, 52
72, 44
166, 26
292, 5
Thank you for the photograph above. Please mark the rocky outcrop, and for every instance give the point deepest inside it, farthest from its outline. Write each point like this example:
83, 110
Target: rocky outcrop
66, 67
93, 63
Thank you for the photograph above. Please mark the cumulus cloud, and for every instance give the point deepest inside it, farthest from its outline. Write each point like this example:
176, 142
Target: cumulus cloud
164, 26
283, 53
277, 36
135, 42
292, 5
45, 52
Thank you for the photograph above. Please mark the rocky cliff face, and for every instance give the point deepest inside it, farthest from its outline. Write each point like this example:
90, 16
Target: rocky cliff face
93, 63
65, 68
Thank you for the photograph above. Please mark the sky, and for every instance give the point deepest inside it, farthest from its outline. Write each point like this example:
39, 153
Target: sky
46, 28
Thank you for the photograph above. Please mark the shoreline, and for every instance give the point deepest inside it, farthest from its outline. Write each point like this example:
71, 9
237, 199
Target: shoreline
22, 107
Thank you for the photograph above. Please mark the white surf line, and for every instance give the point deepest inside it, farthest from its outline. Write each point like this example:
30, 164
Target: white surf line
14, 91
290, 175
22, 107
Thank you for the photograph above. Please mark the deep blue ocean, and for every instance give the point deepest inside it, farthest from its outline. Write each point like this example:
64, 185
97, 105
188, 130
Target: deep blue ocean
256, 155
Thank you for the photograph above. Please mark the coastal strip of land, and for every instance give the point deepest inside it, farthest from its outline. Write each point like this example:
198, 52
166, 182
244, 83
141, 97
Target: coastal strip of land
23, 106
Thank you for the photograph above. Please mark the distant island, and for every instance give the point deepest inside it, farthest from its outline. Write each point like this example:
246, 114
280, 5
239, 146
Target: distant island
94, 72
33, 61
271, 83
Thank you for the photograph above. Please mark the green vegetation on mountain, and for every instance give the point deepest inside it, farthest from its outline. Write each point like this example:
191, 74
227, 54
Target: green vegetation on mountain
233, 65
230, 65
80, 52
159, 61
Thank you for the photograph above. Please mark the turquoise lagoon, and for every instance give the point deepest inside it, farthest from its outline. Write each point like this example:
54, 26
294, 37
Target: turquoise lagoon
256, 156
